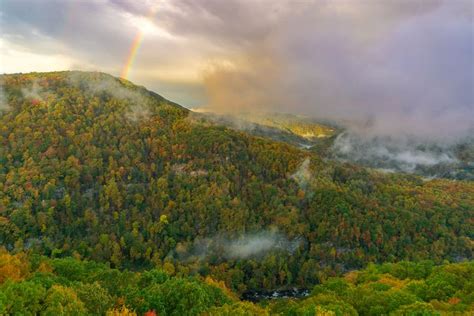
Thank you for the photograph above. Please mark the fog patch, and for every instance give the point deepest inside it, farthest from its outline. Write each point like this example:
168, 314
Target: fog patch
227, 120
33, 92
4, 106
385, 153
253, 245
185, 169
137, 108
138, 112
303, 175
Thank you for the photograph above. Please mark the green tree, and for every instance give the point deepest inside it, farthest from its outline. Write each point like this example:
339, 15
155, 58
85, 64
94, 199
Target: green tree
61, 300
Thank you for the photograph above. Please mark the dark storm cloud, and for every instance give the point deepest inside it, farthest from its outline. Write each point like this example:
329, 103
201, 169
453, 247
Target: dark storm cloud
415, 77
249, 22
396, 67
224, 22
134, 7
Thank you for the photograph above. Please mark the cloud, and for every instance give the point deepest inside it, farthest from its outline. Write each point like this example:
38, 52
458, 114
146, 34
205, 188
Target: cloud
87, 30
405, 71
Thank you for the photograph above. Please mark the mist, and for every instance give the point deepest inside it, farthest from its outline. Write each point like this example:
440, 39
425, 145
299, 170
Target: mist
303, 174
390, 154
252, 245
137, 109
33, 92
3, 99
258, 244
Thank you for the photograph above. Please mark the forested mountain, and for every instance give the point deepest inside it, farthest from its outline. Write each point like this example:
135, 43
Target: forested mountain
94, 167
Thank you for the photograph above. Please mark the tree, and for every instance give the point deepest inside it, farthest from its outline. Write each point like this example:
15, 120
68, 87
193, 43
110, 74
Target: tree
237, 309
21, 298
416, 309
13, 267
95, 298
61, 300
122, 311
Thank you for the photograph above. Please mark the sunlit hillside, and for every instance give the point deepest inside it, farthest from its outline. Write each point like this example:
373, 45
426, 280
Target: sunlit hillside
299, 125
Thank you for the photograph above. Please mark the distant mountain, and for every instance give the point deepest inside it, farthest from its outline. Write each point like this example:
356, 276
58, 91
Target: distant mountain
303, 126
299, 131
94, 167
331, 140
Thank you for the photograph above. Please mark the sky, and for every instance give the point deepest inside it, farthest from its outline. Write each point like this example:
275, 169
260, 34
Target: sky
398, 66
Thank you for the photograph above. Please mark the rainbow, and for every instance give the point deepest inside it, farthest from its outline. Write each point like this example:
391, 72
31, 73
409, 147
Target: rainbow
132, 53
137, 41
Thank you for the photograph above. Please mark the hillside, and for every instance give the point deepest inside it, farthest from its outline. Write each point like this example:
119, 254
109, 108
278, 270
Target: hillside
299, 125
97, 168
